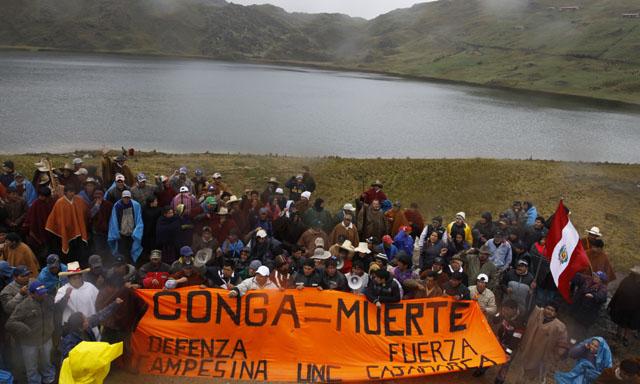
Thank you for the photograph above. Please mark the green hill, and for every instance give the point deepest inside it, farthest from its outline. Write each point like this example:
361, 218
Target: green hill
530, 44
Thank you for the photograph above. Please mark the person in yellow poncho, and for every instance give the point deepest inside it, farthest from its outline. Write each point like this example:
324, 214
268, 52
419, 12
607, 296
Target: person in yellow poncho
89, 363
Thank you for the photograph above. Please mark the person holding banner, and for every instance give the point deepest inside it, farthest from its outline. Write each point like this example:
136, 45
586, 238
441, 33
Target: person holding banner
259, 281
383, 288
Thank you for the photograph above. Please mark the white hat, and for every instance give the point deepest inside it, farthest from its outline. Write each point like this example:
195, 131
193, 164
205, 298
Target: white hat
77, 160
348, 207
184, 189
363, 248
273, 180
223, 211
119, 176
217, 175
126, 194
462, 215
299, 176
232, 199
635, 269
263, 270
280, 191
484, 277
81, 171
306, 194
320, 254
170, 284
261, 233
347, 246
595, 231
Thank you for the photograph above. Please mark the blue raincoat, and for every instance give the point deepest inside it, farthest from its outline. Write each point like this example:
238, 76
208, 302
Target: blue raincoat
30, 193
585, 372
114, 229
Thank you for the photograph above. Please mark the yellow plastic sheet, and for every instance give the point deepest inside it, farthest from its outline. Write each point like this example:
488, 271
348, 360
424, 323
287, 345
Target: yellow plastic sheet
89, 362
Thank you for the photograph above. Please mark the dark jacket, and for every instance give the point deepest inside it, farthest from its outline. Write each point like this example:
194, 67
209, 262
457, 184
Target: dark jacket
74, 337
32, 321
337, 282
389, 292
315, 280
461, 290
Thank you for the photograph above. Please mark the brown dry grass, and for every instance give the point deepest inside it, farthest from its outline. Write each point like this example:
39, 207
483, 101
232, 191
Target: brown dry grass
606, 195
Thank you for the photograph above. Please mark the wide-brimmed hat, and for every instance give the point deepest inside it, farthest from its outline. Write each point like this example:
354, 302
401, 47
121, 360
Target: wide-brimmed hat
320, 254
347, 246
377, 183
273, 180
42, 165
362, 248
68, 167
233, 199
44, 179
594, 231
348, 207
73, 268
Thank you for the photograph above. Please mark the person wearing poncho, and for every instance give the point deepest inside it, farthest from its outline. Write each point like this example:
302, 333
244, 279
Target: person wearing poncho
593, 356
89, 363
126, 227
68, 220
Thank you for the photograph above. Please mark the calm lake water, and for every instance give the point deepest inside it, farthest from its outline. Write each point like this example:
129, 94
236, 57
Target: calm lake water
62, 102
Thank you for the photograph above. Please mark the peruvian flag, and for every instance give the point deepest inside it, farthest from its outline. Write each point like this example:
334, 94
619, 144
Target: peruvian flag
565, 252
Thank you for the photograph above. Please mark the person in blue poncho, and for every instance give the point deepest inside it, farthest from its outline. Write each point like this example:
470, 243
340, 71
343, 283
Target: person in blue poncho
24, 188
593, 356
126, 227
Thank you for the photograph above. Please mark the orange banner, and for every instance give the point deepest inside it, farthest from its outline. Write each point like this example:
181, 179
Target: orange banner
308, 336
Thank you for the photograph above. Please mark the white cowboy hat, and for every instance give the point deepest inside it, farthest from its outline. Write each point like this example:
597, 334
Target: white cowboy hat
348, 207
595, 231
346, 245
320, 254
362, 248
232, 199
73, 268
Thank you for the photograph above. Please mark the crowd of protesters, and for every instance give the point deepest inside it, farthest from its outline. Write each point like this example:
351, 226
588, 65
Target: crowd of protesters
75, 243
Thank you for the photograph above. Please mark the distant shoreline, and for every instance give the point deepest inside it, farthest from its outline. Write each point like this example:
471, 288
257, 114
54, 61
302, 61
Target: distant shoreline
591, 100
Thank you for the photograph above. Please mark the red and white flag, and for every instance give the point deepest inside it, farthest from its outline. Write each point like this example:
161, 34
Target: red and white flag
564, 251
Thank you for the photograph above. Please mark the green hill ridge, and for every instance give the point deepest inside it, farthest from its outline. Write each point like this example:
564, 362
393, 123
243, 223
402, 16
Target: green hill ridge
590, 49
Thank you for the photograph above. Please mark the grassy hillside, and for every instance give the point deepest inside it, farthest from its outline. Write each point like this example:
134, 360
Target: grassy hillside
605, 195
527, 44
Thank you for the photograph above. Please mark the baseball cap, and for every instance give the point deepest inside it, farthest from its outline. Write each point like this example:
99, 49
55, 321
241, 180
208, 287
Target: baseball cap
118, 260
199, 172
217, 175
156, 254
141, 177
126, 194
53, 260
483, 277
184, 189
255, 264
21, 270
306, 195
183, 170
261, 233
81, 171
186, 251
263, 270
280, 191
95, 261
77, 160
38, 288
119, 177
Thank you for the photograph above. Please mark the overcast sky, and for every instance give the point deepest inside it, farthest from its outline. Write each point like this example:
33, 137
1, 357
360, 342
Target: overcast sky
362, 8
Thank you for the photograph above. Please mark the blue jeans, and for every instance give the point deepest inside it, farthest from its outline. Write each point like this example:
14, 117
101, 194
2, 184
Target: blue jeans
37, 362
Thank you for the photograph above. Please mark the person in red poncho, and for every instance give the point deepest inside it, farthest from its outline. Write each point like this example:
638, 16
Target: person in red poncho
68, 222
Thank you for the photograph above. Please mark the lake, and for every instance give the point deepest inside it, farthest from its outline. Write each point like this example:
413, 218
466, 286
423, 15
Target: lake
58, 102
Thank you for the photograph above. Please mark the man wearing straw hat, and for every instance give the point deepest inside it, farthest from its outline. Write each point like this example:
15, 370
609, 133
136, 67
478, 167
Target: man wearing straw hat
592, 234
77, 295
